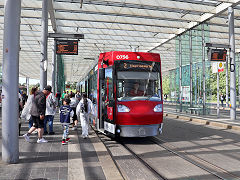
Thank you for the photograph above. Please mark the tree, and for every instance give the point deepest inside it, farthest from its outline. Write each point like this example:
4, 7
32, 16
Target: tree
166, 85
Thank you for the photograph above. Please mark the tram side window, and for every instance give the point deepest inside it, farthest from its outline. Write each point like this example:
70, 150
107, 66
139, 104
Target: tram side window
157, 86
120, 88
108, 84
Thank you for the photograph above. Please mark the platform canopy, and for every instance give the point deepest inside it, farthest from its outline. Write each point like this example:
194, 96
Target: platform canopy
117, 25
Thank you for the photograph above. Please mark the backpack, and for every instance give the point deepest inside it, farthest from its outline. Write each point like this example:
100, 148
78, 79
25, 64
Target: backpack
52, 102
83, 109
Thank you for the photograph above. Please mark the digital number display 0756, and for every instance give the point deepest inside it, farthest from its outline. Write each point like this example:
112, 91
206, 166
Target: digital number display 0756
122, 57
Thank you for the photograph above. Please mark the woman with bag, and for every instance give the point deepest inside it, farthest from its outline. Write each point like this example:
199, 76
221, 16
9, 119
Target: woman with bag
73, 104
26, 110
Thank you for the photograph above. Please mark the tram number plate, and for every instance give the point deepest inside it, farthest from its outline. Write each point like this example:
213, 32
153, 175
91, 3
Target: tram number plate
122, 57
109, 127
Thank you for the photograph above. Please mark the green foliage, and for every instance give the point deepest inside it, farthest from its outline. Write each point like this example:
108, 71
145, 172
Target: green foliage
71, 85
166, 85
211, 83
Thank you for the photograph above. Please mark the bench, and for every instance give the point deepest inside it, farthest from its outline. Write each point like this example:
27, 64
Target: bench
196, 110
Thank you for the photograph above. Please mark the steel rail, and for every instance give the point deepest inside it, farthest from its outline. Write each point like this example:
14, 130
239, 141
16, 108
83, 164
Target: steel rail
143, 162
197, 162
100, 134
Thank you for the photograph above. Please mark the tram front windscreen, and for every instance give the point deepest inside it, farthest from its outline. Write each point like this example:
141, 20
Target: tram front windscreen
138, 80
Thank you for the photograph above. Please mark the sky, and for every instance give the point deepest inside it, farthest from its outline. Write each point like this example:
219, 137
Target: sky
31, 81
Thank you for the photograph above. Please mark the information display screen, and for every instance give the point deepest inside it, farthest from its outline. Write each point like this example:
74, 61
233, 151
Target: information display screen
217, 54
67, 47
137, 66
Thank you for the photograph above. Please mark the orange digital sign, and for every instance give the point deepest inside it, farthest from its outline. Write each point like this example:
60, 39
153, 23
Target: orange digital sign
218, 54
67, 47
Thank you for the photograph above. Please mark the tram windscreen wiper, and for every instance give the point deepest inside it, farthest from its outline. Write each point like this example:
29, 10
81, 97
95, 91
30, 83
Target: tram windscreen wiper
148, 97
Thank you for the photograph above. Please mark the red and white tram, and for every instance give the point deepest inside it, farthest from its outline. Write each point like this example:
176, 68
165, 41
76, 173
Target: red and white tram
128, 96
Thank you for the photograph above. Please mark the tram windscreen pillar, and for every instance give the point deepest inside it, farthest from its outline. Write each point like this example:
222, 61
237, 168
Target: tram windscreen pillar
101, 95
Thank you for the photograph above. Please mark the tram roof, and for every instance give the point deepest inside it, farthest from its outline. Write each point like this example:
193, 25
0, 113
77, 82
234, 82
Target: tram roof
117, 25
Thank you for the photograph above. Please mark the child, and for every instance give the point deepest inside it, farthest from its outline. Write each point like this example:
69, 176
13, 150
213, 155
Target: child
65, 113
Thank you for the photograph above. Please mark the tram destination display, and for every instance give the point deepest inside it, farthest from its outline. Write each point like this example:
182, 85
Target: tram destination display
67, 47
137, 66
217, 54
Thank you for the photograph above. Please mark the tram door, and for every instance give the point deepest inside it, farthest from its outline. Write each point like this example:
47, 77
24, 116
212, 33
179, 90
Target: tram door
107, 102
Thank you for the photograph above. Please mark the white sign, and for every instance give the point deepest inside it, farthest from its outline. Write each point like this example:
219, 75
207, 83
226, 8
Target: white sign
220, 67
186, 93
217, 67
214, 67
173, 94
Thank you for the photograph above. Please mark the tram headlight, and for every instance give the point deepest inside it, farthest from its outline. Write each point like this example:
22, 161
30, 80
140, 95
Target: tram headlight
158, 108
122, 108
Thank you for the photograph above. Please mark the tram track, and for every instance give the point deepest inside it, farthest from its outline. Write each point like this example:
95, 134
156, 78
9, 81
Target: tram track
158, 175
136, 156
195, 160
210, 168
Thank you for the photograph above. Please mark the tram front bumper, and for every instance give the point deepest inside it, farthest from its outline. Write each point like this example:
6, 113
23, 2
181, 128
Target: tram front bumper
140, 130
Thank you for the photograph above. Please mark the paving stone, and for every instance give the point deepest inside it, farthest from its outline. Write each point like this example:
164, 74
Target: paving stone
94, 173
49, 161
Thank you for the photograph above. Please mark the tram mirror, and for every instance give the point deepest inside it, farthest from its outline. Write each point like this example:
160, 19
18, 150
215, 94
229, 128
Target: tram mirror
101, 73
106, 62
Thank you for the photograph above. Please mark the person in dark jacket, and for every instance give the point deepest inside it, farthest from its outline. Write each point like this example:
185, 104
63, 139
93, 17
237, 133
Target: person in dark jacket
66, 113
38, 114
58, 96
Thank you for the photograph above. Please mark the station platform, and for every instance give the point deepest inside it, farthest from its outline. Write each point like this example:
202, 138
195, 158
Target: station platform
211, 119
81, 159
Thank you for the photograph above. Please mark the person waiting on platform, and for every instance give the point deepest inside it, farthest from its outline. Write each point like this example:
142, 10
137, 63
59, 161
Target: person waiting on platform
50, 111
66, 113
73, 104
84, 108
38, 114
135, 90
27, 108
222, 98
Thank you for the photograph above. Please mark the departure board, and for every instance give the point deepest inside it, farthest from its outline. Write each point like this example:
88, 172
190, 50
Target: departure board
217, 54
67, 47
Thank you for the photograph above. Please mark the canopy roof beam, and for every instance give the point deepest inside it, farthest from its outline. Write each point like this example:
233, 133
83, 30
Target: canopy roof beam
52, 15
205, 17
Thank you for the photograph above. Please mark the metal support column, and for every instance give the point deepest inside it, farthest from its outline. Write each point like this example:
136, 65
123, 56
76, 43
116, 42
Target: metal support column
54, 67
176, 87
170, 85
27, 84
218, 113
10, 73
203, 71
180, 73
227, 93
191, 70
238, 79
43, 63
195, 84
232, 64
